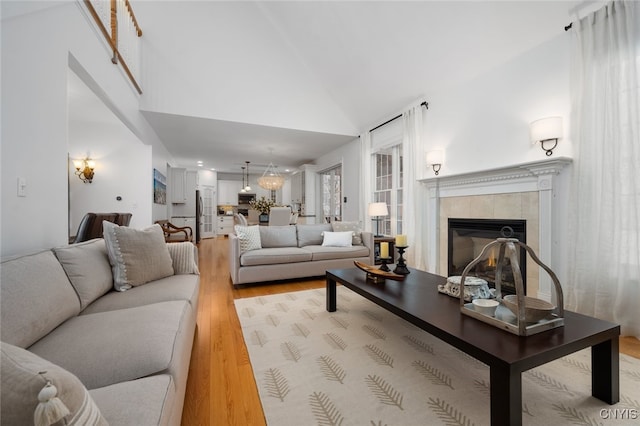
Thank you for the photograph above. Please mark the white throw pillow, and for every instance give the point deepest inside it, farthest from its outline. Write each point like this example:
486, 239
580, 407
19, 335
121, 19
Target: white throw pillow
137, 256
337, 239
349, 226
249, 237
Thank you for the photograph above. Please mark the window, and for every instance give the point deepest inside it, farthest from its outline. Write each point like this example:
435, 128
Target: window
331, 184
388, 187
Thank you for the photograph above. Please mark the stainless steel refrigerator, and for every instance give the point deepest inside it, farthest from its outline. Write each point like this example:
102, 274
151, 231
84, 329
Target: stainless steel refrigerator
199, 216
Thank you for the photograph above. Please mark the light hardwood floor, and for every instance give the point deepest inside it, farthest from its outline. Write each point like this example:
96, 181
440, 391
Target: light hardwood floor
221, 389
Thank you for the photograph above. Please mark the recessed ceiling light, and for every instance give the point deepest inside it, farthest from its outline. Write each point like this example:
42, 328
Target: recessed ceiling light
287, 170
212, 169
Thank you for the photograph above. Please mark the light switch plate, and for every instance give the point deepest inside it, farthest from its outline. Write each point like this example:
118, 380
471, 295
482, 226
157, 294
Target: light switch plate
22, 187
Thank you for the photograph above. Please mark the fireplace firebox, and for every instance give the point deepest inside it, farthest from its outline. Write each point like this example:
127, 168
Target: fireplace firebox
467, 238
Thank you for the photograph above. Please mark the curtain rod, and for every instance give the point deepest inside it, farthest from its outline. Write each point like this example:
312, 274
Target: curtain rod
424, 104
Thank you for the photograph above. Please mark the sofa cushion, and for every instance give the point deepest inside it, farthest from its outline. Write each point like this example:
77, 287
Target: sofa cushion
176, 287
311, 235
184, 258
122, 345
273, 256
328, 253
354, 227
146, 401
87, 266
278, 236
24, 375
248, 237
337, 239
35, 297
137, 256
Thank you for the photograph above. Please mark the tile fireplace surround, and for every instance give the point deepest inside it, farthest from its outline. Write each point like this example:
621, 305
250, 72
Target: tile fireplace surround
524, 191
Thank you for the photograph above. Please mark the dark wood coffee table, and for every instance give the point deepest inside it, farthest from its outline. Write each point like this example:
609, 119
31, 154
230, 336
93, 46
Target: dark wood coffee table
416, 299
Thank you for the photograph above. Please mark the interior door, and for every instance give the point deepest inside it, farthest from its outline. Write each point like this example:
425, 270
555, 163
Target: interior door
331, 182
208, 194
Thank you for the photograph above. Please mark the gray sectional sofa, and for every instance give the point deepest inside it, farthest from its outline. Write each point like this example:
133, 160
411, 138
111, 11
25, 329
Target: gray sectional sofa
116, 357
294, 251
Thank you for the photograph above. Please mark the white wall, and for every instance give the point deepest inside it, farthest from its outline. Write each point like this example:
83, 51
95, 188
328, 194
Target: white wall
484, 123
38, 49
349, 156
117, 160
199, 85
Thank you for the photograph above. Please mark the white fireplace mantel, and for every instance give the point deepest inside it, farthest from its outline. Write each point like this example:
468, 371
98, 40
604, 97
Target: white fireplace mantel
528, 177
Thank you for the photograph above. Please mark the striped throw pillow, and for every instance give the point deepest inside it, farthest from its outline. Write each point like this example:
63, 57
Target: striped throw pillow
184, 258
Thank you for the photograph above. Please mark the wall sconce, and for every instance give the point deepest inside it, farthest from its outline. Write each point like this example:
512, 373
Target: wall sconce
434, 159
376, 210
546, 130
84, 169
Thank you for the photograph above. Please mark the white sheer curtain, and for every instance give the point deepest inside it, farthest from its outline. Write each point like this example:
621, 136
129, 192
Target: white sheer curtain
604, 268
414, 206
365, 179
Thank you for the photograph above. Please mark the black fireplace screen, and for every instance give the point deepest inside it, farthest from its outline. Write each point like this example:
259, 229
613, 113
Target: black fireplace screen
467, 238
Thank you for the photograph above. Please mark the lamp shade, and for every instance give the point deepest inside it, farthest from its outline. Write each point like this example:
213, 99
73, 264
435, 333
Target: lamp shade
546, 129
378, 209
434, 157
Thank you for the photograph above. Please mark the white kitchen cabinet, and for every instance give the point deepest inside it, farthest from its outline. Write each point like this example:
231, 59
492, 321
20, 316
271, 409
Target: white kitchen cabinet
228, 192
225, 225
303, 189
296, 187
178, 185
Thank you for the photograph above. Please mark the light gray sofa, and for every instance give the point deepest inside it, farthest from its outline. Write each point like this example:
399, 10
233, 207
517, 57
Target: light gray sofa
294, 251
130, 349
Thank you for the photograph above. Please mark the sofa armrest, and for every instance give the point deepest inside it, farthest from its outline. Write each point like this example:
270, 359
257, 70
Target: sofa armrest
234, 257
367, 241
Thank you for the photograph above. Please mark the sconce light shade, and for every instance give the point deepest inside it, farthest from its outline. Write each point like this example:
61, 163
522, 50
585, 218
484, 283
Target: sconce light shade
546, 130
434, 159
84, 169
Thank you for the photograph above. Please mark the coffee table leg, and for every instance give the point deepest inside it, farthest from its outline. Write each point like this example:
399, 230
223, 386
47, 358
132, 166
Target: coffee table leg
605, 371
506, 397
331, 295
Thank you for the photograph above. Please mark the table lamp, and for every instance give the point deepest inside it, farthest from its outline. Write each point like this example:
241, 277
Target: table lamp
376, 210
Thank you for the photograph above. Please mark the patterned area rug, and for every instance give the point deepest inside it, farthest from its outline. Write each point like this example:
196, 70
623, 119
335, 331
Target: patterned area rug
363, 365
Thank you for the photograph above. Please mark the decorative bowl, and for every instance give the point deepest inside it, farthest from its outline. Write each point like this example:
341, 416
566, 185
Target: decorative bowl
534, 309
485, 306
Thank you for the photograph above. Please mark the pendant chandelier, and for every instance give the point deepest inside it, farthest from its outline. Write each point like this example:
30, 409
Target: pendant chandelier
271, 179
243, 186
247, 188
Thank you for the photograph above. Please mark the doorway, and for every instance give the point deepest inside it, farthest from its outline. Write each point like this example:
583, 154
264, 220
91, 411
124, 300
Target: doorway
331, 187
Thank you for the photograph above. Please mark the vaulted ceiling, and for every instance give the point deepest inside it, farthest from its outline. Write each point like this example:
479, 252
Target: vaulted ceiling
288, 82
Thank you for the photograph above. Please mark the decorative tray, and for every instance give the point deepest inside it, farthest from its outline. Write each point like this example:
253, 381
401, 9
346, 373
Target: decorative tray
506, 320
376, 273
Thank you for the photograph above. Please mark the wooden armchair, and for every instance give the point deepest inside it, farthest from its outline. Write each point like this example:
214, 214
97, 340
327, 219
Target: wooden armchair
175, 234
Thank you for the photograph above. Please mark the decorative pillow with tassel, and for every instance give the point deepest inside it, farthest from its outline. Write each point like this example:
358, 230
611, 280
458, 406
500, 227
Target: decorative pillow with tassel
36, 392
